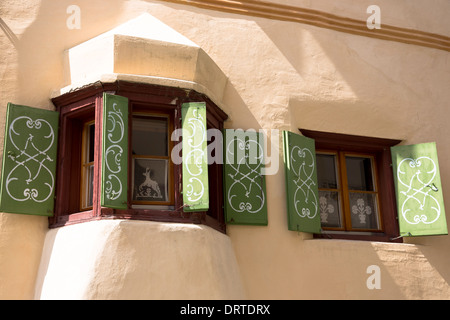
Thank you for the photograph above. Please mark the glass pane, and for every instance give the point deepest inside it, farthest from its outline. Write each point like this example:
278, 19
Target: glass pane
330, 208
364, 210
326, 171
359, 173
90, 186
150, 136
91, 139
88, 190
150, 179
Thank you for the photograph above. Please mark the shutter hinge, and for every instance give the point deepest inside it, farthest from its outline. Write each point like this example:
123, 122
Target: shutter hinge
405, 235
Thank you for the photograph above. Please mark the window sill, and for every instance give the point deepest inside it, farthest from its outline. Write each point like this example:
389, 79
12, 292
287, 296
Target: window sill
359, 236
176, 216
73, 218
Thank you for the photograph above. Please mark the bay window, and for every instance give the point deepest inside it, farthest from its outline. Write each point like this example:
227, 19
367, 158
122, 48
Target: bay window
152, 180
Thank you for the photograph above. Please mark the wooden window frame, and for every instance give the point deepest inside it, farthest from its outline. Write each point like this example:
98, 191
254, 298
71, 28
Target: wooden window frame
77, 107
344, 191
380, 148
170, 144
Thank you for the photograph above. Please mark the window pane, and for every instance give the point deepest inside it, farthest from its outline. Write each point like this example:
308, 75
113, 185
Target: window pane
90, 185
88, 166
150, 179
329, 205
150, 136
90, 140
326, 171
359, 173
364, 210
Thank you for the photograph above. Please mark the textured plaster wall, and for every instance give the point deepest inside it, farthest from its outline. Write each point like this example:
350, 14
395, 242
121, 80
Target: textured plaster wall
138, 260
280, 75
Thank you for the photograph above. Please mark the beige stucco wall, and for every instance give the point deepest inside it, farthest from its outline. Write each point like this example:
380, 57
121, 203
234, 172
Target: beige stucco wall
279, 75
138, 259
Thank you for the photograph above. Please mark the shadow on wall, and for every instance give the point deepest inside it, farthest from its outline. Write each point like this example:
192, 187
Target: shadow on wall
9, 42
384, 79
40, 68
9, 33
402, 271
42, 45
387, 83
419, 271
41, 48
354, 85
343, 77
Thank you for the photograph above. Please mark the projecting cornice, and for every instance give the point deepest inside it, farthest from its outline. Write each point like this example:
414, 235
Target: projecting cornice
143, 50
323, 20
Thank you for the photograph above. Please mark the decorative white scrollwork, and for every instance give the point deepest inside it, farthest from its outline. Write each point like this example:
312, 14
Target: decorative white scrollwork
246, 174
192, 195
416, 178
303, 166
113, 193
114, 153
195, 159
30, 178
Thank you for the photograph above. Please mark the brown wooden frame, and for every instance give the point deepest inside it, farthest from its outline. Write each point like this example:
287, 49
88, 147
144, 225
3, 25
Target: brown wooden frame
344, 190
171, 190
380, 149
77, 107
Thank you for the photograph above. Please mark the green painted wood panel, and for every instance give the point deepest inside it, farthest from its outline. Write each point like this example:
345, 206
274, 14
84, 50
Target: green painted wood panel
301, 183
420, 202
195, 157
29, 161
114, 182
244, 185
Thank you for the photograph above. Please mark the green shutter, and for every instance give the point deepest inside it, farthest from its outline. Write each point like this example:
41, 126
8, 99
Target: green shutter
29, 161
114, 152
420, 202
301, 183
244, 184
195, 157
